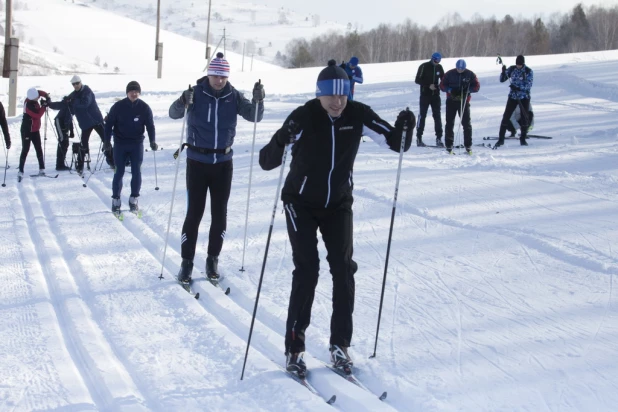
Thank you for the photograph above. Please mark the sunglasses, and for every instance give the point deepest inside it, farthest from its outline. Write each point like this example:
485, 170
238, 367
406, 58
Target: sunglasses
76, 83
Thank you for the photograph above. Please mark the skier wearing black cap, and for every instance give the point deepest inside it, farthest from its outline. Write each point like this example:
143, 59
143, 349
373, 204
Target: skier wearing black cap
317, 194
521, 77
428, 76
127, 120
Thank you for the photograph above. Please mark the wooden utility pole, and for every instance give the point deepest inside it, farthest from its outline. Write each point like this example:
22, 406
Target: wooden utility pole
208, 36
158, 45
11, 58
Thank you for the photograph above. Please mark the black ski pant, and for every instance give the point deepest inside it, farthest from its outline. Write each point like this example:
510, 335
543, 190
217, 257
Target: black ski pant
35, 139
201, 179
454, 108
511, 105
425, 101
63, 143
336, 227
85, 149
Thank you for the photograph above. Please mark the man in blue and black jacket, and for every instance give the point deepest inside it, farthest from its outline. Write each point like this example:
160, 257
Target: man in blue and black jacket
126, 121
213, 106
521, 77
63, 122
84, 106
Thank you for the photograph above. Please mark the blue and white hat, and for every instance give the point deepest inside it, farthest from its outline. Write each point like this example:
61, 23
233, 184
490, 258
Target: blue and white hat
219, 66
332, 81
461, 64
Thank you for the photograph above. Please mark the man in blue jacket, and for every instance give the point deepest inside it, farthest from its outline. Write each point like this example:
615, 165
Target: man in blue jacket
63, 123
84, 106
213, 106
127, 120
355, 74
521, 77
459, 83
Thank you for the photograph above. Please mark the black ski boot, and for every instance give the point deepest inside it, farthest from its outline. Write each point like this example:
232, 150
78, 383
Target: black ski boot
522, 141
340, 359
133, 207
439, 142
211, 267
295, 364
419, 141
116, 205
186, 267
499, 143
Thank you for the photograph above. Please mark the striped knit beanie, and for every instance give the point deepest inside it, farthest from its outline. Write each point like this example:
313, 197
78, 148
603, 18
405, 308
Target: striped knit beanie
219, 66
332, 80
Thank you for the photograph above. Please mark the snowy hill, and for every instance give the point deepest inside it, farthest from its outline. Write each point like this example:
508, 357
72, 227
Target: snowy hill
264, 30
499, 293
76, 35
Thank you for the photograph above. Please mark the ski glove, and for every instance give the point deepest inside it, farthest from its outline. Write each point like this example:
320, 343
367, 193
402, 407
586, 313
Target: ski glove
107, 146
406, 116
187, 97
258, 92
8, 144
514, 88
154, 146
287, 134
44, 102
503, 69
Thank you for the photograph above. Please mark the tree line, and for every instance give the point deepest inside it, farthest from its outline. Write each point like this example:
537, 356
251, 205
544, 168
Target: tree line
582, 29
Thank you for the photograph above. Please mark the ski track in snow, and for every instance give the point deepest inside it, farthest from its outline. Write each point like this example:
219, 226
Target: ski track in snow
499, 293
265, 341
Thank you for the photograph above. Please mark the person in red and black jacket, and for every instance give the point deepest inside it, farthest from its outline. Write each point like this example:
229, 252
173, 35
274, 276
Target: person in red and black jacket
30, 126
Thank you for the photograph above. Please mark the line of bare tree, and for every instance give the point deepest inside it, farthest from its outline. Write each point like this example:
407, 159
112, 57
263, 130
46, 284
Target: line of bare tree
582, 29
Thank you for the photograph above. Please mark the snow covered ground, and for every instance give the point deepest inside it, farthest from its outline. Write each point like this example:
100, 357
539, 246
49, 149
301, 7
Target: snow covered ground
499, 294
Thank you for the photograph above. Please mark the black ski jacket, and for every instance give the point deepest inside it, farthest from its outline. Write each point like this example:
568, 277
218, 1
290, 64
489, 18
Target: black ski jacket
428, 74
324, 151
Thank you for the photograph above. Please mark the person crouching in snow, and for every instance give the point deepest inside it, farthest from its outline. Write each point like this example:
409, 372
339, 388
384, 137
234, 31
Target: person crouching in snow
326, 133
127, 120
30, 129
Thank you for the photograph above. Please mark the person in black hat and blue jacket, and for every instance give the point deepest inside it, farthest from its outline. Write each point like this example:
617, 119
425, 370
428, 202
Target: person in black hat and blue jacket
325, 135
127, 120
355, 74
521, 77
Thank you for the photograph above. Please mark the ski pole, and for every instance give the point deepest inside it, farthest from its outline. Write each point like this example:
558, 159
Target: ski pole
154, 156
390, 232
6, 166
270, 231
45, 135
169, 220
242, 265
95, 167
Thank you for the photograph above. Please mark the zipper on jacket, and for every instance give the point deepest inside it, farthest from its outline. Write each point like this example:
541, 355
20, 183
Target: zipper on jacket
350, 179
216, 128
300, 192
332, 160
209, 107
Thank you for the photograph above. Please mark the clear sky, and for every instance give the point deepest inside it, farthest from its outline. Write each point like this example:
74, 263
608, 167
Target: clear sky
370, 13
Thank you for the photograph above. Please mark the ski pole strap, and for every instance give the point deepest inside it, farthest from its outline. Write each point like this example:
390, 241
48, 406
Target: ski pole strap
202, 150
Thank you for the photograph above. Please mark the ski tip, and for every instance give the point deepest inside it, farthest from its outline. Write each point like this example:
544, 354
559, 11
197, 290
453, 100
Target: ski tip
227, 291
332, 400
197, 295
383, 396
